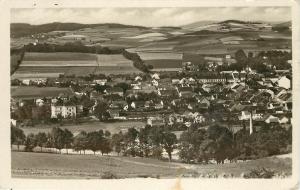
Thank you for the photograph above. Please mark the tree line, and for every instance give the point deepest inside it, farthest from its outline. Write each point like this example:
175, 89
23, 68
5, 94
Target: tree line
70, 47
195, 145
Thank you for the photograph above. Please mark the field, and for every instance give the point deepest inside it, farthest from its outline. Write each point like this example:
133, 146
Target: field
51, 65
164, 63
114, 127
58, 56
28, 92
46, 165
74, 63
113, 60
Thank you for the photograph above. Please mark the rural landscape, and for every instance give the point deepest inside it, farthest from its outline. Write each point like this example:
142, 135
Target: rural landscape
204, 99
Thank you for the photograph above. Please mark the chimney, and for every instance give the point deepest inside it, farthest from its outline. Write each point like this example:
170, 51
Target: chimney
251, 124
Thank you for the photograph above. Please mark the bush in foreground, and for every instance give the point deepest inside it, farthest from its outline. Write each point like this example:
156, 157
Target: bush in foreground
260, 173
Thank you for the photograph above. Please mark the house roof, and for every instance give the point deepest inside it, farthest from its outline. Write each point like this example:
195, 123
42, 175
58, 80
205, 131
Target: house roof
114, 90
185, 89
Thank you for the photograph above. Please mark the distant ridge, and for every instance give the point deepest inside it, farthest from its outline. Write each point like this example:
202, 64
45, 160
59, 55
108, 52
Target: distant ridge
24, 29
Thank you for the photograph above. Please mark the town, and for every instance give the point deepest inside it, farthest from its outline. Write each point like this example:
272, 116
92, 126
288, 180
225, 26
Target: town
210, 107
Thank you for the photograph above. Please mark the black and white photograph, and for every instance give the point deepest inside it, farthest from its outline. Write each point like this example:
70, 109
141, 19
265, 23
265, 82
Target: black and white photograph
151, 92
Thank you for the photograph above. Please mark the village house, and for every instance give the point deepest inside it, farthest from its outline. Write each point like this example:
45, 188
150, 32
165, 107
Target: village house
155, 76
204, 101
271, 119
155, 121
120, 104
284, 120
185, 91
167, 93
138, 78
114, 113
101, 82
284, 82
175, 118
137, 104
66, 111
114, 91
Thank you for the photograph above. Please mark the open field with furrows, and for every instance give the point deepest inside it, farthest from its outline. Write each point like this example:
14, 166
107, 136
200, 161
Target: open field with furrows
114, 127
51, 65
52, 72
116, 70
74, 63
165, 63
30, 92
47, 165
113, 60
58, 56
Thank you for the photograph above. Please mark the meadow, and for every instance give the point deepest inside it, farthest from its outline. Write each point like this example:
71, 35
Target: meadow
113, 127
58, 56
47, 165
25, 92
51, 65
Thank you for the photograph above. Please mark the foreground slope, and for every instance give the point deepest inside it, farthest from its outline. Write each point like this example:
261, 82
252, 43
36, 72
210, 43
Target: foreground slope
46, 165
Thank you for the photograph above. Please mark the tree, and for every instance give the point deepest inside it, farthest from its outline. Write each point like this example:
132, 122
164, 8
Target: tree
58, 138
101, 110
68, 139
124, 86
240, 56
41, 139
169, 143
30, 142
17, 136
80, 142
94, 140
130, 141
117, 142
105, 146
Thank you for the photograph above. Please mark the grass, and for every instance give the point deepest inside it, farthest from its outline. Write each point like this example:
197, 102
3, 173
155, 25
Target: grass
29, 92
47, 165
78, 64
113, 60
116, 70
61, 63
164, 63
19, 75
59, 56
153, 56
87, 166
114, 127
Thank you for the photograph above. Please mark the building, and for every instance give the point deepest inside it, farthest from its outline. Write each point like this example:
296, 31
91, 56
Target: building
155, 121
284, 82
66, 111
114, 91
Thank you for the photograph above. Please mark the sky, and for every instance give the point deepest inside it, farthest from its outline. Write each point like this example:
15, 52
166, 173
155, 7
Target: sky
151, 17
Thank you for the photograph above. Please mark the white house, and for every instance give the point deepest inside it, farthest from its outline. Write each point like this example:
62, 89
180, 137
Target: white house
64, 111
155, 76
138, 78
154, 82
272, 119
283, 120
101, 82
39, 102
284, 82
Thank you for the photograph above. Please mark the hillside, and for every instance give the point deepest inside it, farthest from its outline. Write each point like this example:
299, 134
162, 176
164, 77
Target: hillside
46, 165
23, 29
204, 37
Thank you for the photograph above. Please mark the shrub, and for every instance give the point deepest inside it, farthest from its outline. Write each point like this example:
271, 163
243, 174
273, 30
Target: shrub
260, 173
109, 175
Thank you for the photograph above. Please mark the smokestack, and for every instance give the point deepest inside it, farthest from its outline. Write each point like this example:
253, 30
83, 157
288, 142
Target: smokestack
251, 124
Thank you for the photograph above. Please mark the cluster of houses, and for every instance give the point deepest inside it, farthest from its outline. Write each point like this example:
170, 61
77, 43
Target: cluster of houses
230, 96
